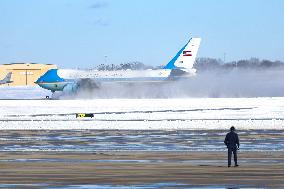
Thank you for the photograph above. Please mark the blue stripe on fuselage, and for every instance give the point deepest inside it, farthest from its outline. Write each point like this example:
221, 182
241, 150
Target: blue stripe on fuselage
54, 86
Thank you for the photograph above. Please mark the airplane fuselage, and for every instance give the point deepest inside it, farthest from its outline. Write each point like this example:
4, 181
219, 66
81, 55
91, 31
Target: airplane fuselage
120, 76
115, 75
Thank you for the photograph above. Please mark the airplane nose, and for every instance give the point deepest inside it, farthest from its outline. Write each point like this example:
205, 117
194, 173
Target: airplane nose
37, 81
40, 79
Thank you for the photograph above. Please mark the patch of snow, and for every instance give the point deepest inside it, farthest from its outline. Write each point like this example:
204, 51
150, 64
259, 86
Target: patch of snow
23, 92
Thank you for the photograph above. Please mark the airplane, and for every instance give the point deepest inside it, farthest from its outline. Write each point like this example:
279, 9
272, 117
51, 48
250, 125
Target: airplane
7, 79
181, 65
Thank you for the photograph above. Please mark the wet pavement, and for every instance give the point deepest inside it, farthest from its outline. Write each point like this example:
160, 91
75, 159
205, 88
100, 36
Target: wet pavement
123, 140
124, 159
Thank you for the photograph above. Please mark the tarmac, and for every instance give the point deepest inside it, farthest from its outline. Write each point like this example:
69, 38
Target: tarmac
129, 169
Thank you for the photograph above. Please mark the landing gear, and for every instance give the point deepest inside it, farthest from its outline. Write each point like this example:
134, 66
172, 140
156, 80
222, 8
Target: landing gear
52, 95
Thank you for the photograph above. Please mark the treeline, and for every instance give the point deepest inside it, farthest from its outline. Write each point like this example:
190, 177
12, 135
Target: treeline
253, 63
201, 64
136, 65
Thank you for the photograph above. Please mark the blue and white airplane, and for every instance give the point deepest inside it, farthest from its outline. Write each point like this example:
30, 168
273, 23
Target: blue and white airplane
182, 62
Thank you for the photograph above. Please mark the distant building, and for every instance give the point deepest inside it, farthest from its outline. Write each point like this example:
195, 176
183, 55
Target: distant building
24, 74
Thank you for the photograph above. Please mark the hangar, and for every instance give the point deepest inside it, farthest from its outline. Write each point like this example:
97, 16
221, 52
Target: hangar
24, 74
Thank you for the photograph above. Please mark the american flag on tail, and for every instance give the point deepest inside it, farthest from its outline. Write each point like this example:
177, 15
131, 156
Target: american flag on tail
186, 53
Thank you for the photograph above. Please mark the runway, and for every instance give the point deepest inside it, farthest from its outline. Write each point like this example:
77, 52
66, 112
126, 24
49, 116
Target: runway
140, 143
140, 170
138, 159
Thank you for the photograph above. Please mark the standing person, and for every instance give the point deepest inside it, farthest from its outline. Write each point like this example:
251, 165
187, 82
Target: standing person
233, 144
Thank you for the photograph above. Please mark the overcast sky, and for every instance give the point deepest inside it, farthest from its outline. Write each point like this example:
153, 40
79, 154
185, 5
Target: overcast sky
86, 33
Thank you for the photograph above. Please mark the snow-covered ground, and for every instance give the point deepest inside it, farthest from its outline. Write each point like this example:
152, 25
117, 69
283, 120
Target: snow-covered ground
23, 92
169, 114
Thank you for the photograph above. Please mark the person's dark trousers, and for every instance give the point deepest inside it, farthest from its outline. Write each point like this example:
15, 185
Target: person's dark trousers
234, 150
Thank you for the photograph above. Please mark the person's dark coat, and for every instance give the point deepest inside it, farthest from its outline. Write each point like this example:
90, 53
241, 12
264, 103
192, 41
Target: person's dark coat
232, 140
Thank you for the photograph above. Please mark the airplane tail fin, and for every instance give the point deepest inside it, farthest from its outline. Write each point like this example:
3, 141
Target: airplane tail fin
7, 79
185, 58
